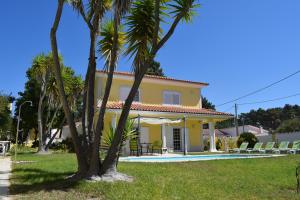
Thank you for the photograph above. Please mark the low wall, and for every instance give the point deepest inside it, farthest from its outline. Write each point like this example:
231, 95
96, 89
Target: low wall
278, 137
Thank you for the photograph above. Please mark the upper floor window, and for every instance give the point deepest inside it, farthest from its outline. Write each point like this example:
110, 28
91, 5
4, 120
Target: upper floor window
124, 91
171, 98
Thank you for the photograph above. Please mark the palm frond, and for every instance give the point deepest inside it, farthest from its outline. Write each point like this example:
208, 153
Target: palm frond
129, 132
184, 8
105, 44
141, 27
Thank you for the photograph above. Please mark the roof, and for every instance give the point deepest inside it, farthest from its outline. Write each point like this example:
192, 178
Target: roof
158, 78
166, 108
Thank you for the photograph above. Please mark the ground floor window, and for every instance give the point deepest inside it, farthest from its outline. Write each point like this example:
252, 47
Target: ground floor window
177, 139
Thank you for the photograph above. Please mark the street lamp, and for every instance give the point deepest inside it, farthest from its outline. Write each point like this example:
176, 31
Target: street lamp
18, 125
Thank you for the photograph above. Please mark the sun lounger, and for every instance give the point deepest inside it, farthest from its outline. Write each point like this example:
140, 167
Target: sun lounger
243, 148
257, 147
296, 147
268, 148
283, 147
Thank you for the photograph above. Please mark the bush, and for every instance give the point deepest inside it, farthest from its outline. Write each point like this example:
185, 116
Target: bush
288, 126
21, 149
65, 145
218, 144
35, 144
247, 137
206, 143
231, 143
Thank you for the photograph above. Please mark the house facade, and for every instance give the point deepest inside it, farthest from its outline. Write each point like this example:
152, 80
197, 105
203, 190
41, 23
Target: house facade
165, 109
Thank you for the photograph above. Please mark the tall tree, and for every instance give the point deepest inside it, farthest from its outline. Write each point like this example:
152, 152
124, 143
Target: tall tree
41, 89
5, 116
155, 69
143, 41
144, 28
207, 104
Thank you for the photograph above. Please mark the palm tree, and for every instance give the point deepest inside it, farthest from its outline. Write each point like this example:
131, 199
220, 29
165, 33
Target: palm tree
143, 44
96, 8
144, 41
40, 71
120, 8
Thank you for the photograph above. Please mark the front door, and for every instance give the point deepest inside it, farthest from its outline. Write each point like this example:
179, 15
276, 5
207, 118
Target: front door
177, 139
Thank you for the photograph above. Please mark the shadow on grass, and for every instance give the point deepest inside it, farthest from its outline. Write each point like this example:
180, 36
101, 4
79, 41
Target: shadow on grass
34, 180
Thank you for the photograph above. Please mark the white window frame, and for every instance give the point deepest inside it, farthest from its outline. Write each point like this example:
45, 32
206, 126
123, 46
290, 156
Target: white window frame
128, 88
171, 93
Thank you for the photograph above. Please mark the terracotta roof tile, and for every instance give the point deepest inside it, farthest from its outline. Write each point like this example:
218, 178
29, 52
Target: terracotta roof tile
159, 78
165, 108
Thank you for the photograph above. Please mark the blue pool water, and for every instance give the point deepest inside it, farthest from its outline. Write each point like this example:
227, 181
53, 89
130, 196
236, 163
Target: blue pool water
182, 158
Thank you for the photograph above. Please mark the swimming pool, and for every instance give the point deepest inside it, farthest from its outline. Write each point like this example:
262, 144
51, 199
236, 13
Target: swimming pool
182, 158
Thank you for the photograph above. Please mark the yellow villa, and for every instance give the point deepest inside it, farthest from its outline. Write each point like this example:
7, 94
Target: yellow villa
168, 110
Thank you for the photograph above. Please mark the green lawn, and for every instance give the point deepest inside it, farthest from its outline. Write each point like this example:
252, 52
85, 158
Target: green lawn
260, 178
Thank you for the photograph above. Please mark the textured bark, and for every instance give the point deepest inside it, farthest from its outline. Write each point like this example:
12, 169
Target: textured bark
91, 83
95, 161
40, 121
109, 164
81, 159
59, 129
87, 138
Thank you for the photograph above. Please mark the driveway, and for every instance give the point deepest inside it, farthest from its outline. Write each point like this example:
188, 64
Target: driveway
5, 170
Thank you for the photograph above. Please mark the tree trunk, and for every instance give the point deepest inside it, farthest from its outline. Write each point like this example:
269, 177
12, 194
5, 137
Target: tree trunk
87, 137
40, 121
81, 158
95, 161
109, 164
91, 83
55, 134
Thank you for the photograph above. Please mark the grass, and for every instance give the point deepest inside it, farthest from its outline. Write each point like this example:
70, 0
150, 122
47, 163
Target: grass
260, 178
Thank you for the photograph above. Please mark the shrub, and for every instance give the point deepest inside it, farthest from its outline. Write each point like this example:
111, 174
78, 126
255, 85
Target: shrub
21, 149
231, 143
288, 126
65, 146
35, 144
206, 143
247, 137
218, 144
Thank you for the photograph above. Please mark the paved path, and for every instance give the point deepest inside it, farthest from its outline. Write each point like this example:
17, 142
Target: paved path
5, 170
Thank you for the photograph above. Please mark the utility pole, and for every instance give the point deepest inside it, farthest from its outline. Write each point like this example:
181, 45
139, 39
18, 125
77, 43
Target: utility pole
236, 120
243, 120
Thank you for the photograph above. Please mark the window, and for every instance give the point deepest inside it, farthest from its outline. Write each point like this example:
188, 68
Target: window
171, 98
124, 91
177, 139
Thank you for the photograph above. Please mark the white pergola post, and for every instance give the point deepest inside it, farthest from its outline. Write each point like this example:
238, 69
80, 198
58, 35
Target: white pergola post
201, 137
114, 121
164, 138
212, 137
185, 136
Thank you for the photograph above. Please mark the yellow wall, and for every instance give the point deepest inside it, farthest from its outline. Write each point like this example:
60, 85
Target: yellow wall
151, 93
194, 128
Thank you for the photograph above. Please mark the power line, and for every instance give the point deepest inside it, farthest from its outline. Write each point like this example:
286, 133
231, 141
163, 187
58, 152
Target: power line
259, 90
231, 107
270, 100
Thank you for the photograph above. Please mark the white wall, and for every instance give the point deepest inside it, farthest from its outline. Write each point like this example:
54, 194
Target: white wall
291, 137
246, 128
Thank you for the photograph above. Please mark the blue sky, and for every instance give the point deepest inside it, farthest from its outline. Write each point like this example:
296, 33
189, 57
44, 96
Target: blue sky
235, 45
